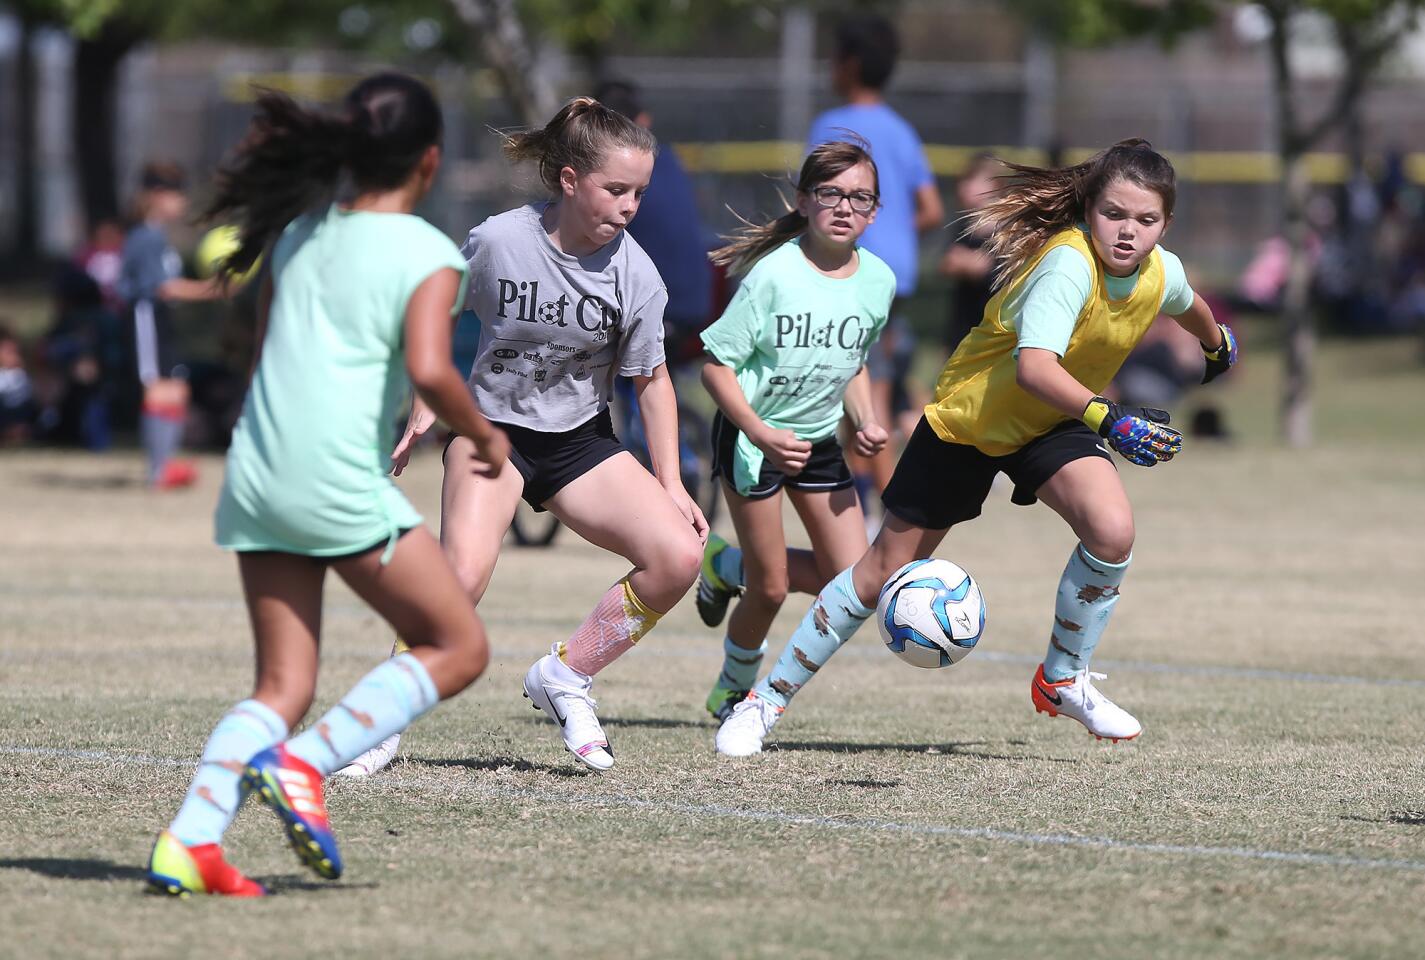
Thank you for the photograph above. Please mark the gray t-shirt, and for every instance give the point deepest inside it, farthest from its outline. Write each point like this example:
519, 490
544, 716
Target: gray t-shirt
556, 329
148, 262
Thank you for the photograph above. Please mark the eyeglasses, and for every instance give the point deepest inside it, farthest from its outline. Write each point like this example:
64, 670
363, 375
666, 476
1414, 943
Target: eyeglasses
830, 197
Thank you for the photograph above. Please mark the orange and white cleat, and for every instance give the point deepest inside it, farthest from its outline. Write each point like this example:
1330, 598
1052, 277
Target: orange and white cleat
181, 871
1078, 698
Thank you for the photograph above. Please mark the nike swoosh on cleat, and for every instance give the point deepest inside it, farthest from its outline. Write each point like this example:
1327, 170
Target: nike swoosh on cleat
553, 709
1053, 698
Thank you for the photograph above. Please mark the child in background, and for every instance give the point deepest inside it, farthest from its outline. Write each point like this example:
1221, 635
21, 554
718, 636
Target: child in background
17, 407
150, 280
787, 360
867, 48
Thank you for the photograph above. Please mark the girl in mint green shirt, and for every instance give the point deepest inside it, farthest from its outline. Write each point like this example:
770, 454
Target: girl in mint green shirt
786, 364
362, 296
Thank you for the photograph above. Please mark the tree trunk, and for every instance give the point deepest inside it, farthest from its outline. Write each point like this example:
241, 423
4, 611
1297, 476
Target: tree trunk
506, 47
1297, 320
1298, 314
25, 241
94, 118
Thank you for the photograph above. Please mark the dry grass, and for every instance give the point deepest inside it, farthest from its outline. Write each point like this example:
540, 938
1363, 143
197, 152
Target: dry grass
905, 813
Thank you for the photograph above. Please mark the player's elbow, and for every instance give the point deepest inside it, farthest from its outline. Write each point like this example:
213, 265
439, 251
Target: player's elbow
427, 374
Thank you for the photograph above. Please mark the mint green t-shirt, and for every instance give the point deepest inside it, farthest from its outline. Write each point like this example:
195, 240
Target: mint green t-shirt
308, 468
796, 337
1046, 306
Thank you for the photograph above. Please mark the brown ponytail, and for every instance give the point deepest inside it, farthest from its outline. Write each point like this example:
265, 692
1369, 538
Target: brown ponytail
753, 241
579, 136
1034, 203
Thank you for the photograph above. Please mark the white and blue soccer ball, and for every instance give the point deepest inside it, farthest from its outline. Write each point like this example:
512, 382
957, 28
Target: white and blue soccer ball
931, 613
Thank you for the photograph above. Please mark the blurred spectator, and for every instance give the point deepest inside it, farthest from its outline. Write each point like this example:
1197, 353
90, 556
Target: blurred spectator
17, 407
668, 226
1164, 367
964, 261
102, 257
84, 351
864, 59
150, 279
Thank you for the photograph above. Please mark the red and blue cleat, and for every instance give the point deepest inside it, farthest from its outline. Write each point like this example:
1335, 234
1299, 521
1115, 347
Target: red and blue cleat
293, 789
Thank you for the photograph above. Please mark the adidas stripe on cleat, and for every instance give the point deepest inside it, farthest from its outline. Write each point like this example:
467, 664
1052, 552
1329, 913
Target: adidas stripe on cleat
714, 594
722, 700
181, 871
293, 789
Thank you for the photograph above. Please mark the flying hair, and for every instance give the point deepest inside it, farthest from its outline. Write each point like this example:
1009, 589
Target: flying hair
1034, 203
826, 162
580, 137
292, 157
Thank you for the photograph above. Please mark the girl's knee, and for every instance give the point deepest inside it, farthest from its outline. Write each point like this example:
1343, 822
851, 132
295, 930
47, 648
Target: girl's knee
289, 699
465, 655
767, 591
1111, 540
680, 559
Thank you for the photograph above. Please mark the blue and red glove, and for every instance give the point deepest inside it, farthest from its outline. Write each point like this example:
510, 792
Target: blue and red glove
1139, 434
1219, 361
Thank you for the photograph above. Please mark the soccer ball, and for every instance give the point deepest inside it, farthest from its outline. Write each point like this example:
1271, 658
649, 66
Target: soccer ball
931, 613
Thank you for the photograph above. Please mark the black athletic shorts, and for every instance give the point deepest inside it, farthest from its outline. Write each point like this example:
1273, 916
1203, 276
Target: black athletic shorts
551, 461
938, 484
825, 470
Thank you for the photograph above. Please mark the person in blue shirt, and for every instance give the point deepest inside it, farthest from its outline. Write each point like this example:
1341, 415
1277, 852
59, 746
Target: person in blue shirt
865, 58
669, 227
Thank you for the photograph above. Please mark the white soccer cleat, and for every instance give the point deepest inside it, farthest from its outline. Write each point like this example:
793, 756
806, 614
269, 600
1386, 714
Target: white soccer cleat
742, 733
1078, 698
374, 760
569, 705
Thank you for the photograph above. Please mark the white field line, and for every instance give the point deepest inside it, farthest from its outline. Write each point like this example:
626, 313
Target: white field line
712, 648
785, 818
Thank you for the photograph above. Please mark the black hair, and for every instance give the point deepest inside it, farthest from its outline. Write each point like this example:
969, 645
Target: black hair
162, 175
292, 157
872, 42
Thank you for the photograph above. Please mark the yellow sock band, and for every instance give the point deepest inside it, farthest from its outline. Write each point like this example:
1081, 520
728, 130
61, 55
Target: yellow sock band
636, 609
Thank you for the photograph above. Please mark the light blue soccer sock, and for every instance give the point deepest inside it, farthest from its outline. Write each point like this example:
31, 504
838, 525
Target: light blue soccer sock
1088, 591
740, 665
213, 798
834, 616
728, 566
385, 701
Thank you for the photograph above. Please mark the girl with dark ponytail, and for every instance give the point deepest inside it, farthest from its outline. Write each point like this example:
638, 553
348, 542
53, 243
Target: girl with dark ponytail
787, 361
567, 301
1081, 279
361, 295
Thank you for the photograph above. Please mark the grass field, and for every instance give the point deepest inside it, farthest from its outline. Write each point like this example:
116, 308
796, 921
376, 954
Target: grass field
1269, 639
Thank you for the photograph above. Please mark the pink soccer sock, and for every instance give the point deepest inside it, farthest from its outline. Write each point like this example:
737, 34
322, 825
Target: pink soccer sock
618, 622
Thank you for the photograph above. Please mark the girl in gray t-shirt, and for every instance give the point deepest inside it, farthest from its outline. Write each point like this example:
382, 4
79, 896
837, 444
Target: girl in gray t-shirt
567, 301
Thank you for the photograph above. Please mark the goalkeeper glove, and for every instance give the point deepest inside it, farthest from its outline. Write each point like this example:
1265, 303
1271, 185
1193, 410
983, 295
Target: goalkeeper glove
1219, 360
1139, 434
